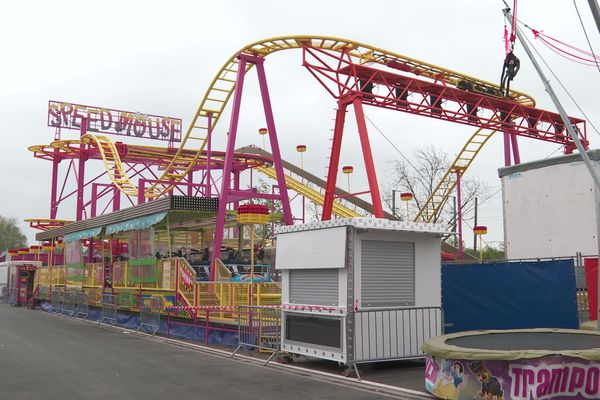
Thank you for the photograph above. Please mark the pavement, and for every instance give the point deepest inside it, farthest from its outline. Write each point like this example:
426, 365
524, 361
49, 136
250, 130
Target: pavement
52, 357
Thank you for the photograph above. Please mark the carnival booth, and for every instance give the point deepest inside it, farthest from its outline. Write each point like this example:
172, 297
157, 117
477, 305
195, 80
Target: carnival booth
17, 281
359, 289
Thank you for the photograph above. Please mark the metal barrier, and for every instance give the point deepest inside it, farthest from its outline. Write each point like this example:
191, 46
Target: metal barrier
3, 293
109, 309
13, 296
56, 301
68, 303
150, 314
82, 306
199, 318
259, 327
386, 334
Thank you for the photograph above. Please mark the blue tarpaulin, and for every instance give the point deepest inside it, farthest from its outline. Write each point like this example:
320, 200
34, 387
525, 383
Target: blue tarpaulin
196, 333
509, 295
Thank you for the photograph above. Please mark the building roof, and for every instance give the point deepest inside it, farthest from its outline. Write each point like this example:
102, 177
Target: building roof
165, 204
502, 172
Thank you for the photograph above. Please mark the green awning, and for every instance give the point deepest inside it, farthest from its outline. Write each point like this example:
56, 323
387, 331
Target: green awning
136, 223
84, 234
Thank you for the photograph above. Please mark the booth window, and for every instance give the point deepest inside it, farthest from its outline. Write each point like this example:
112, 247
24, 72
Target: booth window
74, 261
142, 262
314, 286
387, 273
314, 330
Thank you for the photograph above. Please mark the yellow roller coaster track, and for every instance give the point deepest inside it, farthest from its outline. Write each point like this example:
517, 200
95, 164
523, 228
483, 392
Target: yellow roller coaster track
311, 194
223, 85
432, 207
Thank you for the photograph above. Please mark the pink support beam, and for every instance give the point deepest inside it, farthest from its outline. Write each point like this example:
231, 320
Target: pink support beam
277, 162
225, 180
515, 149
228, 195
81, 172
507, 149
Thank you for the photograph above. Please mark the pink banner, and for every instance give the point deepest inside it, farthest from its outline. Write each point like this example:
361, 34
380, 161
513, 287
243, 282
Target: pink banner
551, 377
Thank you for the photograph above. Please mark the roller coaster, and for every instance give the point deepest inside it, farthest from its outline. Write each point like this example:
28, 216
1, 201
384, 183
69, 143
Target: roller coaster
354, 74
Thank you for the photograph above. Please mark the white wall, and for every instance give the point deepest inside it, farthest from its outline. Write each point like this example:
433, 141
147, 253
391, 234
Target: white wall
549, 212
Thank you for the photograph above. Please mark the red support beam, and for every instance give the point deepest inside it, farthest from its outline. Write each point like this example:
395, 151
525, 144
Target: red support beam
468, 103
334, 160
368, 156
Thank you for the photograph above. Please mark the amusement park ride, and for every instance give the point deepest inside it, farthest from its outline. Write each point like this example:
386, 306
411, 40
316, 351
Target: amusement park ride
353, 73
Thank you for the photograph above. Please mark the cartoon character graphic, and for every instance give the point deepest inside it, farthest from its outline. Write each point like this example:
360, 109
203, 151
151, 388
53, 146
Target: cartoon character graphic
448, 384
490, 385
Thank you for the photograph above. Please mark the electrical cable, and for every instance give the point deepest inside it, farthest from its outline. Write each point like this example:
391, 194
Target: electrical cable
560, 83
394, 146
586, 35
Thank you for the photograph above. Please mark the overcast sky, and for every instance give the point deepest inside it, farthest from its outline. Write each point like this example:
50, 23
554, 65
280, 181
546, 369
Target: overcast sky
159, 57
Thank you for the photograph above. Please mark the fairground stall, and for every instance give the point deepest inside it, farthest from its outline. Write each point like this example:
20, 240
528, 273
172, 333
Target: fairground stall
158, 249
360, 290
17, 281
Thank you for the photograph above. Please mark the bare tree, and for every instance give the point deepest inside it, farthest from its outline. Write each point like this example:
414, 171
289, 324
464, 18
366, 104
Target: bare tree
421, 178
11, 236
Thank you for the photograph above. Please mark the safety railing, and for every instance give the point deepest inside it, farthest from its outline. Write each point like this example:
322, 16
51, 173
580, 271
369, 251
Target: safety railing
386, 334
150, 314
13, 296
232, 294
56, 301
93, 275
259, 327
68, 303
108, 312
202, 319
3, 293
82, 305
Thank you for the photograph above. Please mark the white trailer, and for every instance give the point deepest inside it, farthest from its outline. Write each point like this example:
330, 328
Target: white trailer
550, 208
360, 289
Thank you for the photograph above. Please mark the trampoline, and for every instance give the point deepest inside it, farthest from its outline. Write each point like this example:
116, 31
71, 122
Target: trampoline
519, 364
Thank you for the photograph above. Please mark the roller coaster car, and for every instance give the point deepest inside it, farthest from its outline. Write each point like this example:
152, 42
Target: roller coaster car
469, 86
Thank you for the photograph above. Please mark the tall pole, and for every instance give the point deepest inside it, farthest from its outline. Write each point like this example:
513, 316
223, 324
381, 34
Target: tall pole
394, 203
595, 12
459, 216
571, 130
475, 224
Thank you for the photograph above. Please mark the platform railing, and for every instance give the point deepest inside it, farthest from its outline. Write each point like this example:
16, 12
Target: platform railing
259, 328
109, 309
150, 315
385, 334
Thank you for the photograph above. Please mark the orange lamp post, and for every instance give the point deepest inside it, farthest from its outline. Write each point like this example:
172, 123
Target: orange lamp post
480, 230
348, 169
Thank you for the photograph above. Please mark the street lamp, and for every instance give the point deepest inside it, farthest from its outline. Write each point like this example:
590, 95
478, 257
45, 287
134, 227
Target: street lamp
263, 132
301, 148
480, 230
348, 169
406, 197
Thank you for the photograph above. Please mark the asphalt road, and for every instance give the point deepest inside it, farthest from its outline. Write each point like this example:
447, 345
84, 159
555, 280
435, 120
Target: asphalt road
44, 356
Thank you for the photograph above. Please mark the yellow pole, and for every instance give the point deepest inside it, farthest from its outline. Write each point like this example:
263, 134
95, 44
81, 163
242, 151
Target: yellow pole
480, 248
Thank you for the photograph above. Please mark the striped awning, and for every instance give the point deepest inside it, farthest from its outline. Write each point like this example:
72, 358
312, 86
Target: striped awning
84, 234
136, 223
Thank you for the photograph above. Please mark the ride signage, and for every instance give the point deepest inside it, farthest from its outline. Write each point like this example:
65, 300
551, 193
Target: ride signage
113, 122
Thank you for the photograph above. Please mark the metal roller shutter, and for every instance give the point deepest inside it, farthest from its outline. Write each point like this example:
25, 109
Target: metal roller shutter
387, 273
314, 286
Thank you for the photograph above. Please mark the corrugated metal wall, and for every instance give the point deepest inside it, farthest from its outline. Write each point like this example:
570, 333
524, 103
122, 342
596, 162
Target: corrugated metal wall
314, 286
387, 273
